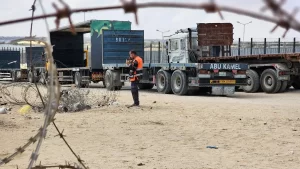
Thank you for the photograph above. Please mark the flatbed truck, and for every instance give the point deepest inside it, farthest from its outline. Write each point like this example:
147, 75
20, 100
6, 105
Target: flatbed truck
111, 42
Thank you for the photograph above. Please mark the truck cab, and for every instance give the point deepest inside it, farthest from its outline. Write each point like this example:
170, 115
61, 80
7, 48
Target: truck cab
179, 48
187, 48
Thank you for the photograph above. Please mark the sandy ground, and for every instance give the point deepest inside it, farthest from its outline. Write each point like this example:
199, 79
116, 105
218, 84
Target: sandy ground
258, 131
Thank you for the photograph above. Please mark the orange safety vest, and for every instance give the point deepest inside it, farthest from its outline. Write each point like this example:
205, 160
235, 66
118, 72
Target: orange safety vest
139, 71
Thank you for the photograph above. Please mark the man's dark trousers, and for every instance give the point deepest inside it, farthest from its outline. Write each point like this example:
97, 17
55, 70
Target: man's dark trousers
135, 92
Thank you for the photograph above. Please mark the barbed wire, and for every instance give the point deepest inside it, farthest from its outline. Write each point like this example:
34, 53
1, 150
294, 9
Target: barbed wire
65, 166
29, 94
53, 92
62, 136
280, 17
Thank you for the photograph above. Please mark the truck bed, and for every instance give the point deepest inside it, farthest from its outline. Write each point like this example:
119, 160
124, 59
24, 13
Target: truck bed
293, 57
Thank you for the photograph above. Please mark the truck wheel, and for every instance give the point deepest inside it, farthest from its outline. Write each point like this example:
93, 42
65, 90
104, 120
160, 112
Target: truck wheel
163, 82
30, 77
252, 82
145, 86
109, 80
269, 81
87, 85
13, 76
43, 78
77, 79
283, 87
104, 85
179, 83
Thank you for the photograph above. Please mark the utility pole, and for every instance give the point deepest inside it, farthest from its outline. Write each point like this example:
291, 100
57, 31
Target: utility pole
162, 33
244, 24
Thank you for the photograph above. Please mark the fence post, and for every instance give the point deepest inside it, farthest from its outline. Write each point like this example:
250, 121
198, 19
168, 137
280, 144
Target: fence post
159, 54
265, 46
151, 52
251, 46
22, 56
239, 47
294, 45
279, 45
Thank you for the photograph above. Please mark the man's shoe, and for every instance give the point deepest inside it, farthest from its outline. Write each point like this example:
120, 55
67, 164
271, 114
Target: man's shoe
133, 105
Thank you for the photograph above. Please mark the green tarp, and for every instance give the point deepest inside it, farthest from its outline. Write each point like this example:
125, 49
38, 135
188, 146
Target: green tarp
99, 25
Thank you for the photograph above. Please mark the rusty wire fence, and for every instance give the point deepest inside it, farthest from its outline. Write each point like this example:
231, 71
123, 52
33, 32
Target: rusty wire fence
50, 103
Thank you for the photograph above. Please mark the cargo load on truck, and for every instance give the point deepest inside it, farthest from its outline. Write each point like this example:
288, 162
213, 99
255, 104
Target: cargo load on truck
77, 64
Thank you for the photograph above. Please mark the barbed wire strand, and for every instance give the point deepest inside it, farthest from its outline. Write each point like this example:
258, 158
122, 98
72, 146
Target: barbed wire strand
281, 19
33, 8
131, 7
53, 122
51, 108
66, 165
62, 136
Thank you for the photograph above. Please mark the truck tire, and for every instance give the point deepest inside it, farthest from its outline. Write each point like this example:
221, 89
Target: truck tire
283, 88
163, 82
30, 77
253, 82
13, 76
179, 83
104, 85
77, 79
145, 86
269, 81
109, 80
43, 78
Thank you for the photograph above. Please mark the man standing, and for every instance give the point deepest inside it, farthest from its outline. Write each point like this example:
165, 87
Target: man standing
135, 75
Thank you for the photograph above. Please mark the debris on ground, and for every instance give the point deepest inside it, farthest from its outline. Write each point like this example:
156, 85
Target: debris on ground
3, 110
212, 147
140, 164
75, 100
25, 109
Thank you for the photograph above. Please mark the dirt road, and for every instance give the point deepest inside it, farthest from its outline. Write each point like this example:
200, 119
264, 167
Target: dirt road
258, 131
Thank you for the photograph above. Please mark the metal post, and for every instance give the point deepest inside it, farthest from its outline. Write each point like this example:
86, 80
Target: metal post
159, 56
239, 47
151, 52
294, 45
244, 24
244, 34
22, 61
279, 45
265, 46
251, 46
